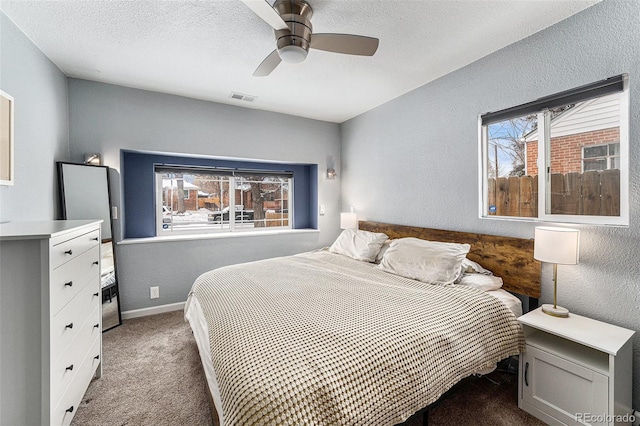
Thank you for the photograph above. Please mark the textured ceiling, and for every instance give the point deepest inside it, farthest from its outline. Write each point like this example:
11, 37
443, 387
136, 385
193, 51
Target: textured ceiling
208, 49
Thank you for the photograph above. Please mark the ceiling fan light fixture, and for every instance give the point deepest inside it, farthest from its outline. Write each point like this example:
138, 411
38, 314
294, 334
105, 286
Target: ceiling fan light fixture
291, 21
292, 54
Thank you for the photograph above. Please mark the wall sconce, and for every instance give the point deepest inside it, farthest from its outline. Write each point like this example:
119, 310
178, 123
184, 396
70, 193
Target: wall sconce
93, 159
331, 173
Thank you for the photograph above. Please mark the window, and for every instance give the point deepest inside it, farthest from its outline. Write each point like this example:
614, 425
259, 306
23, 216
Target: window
142, 212
562, 158
601, 157
200, 200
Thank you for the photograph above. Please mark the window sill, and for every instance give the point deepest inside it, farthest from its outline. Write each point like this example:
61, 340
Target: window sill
564, 220
214, 236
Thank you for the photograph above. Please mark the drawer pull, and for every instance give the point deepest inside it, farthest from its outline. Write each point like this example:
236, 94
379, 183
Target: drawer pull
526, 371
96, 357
96, 326
95, 263
69, 410
70, 368
70, 325
96, 294
69, 252
69, 284
94, 239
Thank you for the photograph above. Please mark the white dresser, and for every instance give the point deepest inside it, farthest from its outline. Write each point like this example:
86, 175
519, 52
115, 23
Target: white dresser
50, 319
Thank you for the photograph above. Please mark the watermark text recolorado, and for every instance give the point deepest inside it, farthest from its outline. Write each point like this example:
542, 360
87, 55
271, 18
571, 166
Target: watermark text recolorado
605, 418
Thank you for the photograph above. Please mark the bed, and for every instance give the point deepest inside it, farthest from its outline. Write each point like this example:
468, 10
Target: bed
322, 338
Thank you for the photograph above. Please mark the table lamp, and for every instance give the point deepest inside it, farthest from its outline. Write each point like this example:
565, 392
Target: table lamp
557, 246
348, 220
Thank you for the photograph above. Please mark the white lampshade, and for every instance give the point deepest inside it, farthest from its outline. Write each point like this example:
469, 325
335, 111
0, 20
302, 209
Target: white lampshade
348, 220
557, 245
292, 54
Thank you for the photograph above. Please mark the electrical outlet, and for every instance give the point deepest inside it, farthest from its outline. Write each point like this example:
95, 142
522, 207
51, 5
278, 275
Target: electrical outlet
154, 292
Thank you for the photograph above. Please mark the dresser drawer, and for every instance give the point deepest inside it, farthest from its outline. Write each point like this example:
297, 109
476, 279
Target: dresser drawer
66, 367
70, 278
66, 250
64, 410
66, 325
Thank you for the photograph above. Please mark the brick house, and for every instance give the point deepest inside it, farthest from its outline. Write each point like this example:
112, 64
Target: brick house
243, 196
270, 202
583, 138
190, 194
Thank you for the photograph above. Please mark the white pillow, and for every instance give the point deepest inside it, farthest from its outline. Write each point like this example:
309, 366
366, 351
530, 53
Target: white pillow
383, 249
359, 245
481, 281
427, 261
471, 267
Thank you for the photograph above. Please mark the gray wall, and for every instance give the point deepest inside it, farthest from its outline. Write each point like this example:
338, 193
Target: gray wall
106, 118
41, 132
41, 137
414, 160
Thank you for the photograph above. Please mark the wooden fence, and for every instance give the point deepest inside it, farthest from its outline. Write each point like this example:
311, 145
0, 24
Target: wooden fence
277, 219
590, 193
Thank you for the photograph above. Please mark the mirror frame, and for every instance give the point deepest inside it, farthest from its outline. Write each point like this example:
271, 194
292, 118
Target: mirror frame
64, 216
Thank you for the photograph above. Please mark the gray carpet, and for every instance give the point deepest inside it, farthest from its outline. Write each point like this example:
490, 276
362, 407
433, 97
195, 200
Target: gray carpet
152, 376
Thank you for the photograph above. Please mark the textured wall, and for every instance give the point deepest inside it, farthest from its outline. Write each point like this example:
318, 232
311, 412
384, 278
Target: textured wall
106, 118
41, 126
414, 160
41, 133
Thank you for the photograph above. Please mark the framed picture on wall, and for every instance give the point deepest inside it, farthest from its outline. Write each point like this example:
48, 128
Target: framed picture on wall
6, 139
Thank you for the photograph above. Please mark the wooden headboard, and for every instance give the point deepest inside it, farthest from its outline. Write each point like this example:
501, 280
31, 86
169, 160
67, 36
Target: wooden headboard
507, 257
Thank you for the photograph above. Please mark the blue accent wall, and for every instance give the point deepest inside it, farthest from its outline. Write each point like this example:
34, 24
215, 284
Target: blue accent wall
137, 173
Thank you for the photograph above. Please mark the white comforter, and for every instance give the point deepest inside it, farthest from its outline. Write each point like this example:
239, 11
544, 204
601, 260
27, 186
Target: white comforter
322, 339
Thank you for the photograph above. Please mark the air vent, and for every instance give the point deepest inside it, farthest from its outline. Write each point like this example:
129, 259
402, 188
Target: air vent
241, 97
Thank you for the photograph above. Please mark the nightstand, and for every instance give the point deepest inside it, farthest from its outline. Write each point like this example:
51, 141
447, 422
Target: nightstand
575, 370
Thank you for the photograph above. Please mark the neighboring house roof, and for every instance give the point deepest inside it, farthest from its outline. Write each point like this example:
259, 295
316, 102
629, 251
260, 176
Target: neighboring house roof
171, 183
588, 116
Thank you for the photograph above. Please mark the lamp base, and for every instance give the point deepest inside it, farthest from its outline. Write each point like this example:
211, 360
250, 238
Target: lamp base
556, 311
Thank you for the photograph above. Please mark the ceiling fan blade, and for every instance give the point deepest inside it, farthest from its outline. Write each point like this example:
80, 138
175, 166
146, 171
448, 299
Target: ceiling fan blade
267, 13
269, 64
345, 43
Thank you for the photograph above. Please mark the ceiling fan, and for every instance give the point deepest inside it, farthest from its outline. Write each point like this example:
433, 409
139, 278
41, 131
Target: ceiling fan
291, 20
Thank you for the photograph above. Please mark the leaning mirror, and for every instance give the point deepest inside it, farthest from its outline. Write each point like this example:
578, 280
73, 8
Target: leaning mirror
84, 194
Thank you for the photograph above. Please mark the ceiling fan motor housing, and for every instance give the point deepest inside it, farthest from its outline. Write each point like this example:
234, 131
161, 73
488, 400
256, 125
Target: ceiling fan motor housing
293, 44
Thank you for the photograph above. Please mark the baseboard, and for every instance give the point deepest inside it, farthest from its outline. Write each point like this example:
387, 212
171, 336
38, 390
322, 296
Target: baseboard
143, 312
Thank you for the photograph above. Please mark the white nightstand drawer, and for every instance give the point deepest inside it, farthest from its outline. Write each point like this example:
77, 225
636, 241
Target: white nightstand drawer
66, 325
67, 250
70, 278
63, 413
555, 385
66, 367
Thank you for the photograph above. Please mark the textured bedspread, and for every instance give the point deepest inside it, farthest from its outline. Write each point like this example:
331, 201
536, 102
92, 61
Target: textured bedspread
321, 339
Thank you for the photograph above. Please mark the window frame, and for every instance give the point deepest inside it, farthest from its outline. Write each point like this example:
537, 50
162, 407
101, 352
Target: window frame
544, 161
231, 175
609, 157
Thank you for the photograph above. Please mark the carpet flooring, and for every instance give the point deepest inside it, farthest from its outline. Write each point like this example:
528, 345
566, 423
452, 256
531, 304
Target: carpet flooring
152, 376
